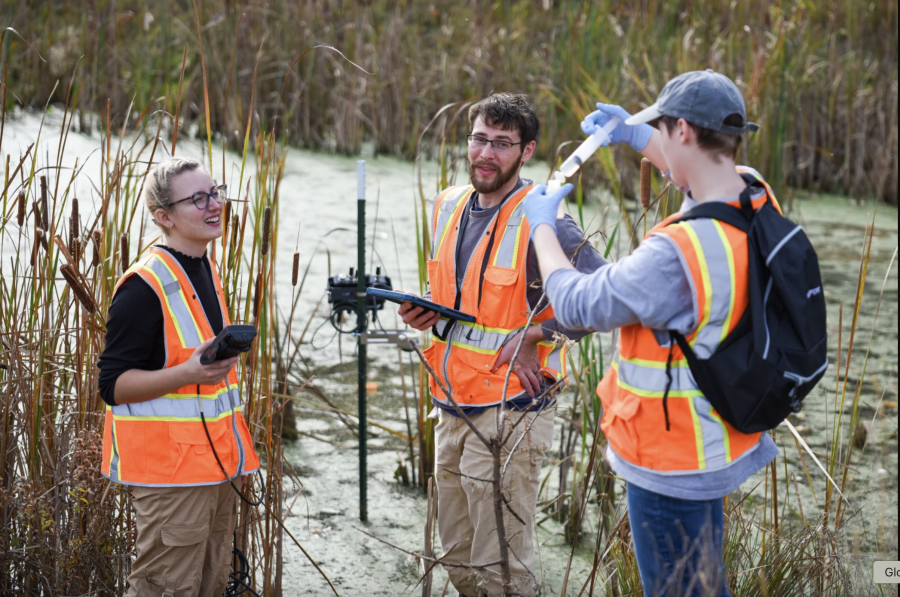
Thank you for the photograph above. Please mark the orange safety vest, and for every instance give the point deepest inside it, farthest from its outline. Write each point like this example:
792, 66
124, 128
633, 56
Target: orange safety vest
161, 442
465, 359
632, 390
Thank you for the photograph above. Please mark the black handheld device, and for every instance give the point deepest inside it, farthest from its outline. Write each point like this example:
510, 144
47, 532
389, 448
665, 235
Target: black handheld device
230, 342
402, 297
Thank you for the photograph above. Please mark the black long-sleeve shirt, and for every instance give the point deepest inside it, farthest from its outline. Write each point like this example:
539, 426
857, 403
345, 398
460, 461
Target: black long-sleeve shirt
135, 336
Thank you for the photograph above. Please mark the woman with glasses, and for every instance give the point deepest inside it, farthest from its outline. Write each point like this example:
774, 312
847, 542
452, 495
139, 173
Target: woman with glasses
165, 312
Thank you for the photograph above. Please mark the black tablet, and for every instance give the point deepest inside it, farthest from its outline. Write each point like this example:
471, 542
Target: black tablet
230, 342
402, 297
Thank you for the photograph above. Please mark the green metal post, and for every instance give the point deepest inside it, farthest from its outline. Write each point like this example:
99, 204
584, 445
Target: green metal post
361, 328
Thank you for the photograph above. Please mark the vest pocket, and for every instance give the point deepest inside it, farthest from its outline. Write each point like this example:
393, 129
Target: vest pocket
194, 457
497, 295
619, 423
473, 382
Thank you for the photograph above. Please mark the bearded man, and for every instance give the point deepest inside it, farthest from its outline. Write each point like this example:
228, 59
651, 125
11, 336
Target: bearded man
482, 263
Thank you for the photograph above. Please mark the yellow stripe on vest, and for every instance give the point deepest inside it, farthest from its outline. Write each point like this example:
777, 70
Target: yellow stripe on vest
698, 437
707, 283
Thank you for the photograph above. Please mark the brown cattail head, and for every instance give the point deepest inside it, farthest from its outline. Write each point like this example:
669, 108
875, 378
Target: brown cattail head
81, 293
45, 209
645, 183
267, 230
38, 237
257, 296
124, 252
97, 238
23, 208
296, 269
74, 230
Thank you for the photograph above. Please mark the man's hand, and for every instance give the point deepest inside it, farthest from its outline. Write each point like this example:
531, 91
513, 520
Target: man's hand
527, 366
417, 317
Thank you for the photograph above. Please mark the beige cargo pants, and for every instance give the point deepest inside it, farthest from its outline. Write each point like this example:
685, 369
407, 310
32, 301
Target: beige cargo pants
184, 540
466, 519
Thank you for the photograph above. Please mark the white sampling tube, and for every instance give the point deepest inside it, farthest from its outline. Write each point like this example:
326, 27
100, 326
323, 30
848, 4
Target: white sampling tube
581, 155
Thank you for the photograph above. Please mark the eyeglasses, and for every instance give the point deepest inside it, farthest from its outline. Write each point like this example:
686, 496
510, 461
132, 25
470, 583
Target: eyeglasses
476, 142
200, 199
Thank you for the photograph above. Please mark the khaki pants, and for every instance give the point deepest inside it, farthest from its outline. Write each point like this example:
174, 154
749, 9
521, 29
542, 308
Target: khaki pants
184, 540
466, 519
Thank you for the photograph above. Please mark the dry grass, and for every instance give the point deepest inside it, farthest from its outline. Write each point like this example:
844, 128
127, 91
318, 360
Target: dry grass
820, 76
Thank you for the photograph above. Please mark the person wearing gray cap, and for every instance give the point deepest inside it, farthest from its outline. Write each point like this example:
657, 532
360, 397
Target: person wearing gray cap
679, 458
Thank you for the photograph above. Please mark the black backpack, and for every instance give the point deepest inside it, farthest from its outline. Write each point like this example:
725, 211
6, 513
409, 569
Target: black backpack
777, 353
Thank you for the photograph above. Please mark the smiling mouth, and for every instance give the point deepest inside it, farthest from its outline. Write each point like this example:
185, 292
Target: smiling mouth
485, 171
213, 221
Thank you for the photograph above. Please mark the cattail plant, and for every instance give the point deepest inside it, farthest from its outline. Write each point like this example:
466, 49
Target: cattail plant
126, 261
81, 293
45, 206
226, 220
38, 238
267, 230
295, 271
97, 239
257, 295
74, 230
22, 204
646, 171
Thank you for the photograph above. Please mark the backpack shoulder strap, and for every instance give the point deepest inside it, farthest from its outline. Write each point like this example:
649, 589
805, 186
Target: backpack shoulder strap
739, 218
716, 211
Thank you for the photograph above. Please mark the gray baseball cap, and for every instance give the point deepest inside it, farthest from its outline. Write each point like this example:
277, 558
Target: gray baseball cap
703, 98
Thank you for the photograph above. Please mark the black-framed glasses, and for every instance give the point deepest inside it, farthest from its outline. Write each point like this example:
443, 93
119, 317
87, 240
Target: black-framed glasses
200, 199
476, 142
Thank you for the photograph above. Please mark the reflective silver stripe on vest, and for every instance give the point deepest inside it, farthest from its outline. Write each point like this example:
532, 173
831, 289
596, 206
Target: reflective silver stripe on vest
475, 336
177, 302
114, 461
448, 206
714, 442
716, 256
178, 408
509, 244
651, 381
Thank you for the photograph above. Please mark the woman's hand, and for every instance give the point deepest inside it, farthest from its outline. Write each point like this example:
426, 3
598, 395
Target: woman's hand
137, 385
528, 365
417, 317
193, 371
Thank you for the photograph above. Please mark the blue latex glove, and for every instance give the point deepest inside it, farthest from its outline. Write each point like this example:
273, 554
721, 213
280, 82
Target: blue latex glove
541, 207
637, 136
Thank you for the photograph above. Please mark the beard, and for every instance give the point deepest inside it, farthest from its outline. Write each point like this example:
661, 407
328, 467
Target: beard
499, 181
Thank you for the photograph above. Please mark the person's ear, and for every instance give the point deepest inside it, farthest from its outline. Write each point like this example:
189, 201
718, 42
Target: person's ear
162, 218
528, 152
685, 132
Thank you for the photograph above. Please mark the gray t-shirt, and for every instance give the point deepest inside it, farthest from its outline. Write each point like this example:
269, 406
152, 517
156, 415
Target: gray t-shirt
570, 236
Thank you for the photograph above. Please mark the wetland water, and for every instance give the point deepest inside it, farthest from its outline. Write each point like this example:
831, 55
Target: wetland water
318, 214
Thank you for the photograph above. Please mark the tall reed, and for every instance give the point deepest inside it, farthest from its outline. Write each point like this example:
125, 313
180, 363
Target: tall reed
65, 529
821, 77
